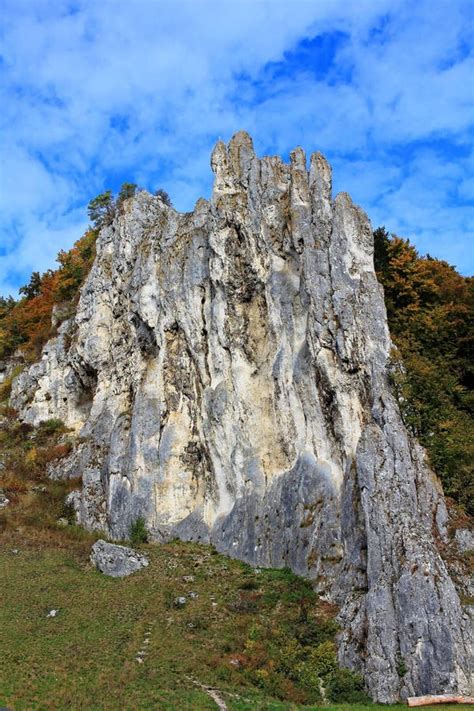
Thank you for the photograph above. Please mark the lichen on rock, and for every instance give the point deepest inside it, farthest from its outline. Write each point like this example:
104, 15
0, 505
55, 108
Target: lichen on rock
228, 374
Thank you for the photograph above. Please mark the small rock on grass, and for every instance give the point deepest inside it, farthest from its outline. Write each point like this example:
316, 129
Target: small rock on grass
117, 561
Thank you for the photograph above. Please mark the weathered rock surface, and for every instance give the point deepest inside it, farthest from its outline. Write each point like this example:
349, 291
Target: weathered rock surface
464, 539
117, 561
228, 371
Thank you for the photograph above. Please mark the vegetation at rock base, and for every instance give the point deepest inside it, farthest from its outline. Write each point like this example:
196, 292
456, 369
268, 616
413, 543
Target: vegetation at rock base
263, 638
430, 310
259, 635
86, 656
36, 502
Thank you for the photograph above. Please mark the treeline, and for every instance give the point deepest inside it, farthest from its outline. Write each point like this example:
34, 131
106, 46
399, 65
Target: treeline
430, 310
26, 323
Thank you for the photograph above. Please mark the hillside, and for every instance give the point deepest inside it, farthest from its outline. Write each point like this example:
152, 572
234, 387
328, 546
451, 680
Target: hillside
260, 638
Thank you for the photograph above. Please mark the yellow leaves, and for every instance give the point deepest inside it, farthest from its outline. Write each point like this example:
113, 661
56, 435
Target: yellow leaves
31, 456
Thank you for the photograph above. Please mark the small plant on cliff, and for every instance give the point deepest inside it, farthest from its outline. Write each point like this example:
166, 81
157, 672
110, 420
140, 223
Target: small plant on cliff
164, 197
127, 190
138, 532
52, 426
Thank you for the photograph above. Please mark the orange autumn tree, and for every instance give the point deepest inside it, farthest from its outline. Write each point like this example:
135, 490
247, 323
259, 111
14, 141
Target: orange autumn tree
26, 324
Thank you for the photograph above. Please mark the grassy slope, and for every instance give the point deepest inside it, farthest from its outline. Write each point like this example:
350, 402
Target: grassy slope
85, 658
238, 635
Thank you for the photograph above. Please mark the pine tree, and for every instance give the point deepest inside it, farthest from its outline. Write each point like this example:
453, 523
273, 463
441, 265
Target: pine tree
101, 209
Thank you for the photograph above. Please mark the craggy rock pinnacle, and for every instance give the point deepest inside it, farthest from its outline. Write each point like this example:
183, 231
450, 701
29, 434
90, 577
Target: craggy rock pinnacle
227, 370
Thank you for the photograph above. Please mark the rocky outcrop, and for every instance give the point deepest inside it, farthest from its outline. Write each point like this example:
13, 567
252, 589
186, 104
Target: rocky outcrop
465, 540
228, 371
117, 561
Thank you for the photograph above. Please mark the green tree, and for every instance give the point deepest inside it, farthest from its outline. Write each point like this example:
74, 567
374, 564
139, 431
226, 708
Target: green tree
127, 190
6, 305
138, 532
33, 288
101, 209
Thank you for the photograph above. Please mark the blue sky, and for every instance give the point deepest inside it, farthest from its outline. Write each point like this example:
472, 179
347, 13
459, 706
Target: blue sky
97, 93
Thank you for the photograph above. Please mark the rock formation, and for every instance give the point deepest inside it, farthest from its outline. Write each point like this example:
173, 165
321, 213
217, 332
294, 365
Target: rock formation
228, 371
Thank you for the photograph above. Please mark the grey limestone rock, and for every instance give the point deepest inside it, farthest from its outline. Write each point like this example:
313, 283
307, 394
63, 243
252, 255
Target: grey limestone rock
117, 561
464, 538
228, 371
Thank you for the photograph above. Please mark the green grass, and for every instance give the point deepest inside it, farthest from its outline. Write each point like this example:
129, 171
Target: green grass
85, 658
262, 638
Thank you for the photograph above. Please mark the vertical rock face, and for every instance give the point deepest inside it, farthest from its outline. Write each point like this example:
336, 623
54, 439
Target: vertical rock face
228, 372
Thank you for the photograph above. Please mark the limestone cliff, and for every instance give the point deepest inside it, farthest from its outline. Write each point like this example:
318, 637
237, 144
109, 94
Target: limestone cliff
228, 372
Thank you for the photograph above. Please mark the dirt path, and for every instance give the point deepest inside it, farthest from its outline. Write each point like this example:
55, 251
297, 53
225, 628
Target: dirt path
214, 694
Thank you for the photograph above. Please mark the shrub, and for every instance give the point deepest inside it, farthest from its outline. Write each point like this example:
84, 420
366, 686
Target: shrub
52, 426
345, 686
164, 197
127, 190
323, 659
316, 632
138, 532
69, 512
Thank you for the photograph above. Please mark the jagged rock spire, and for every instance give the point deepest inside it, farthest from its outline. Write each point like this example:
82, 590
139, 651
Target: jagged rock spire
228, 373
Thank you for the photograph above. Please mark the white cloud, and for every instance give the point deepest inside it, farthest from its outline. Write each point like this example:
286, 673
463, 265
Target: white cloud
172, 73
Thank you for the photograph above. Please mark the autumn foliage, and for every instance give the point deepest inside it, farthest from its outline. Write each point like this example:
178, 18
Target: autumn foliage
27, 322
430, 309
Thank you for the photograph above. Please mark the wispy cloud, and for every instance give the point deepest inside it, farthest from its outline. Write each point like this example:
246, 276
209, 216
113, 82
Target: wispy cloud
97, 93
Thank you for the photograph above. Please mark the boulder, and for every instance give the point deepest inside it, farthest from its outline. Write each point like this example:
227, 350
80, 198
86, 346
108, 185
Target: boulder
117, 561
